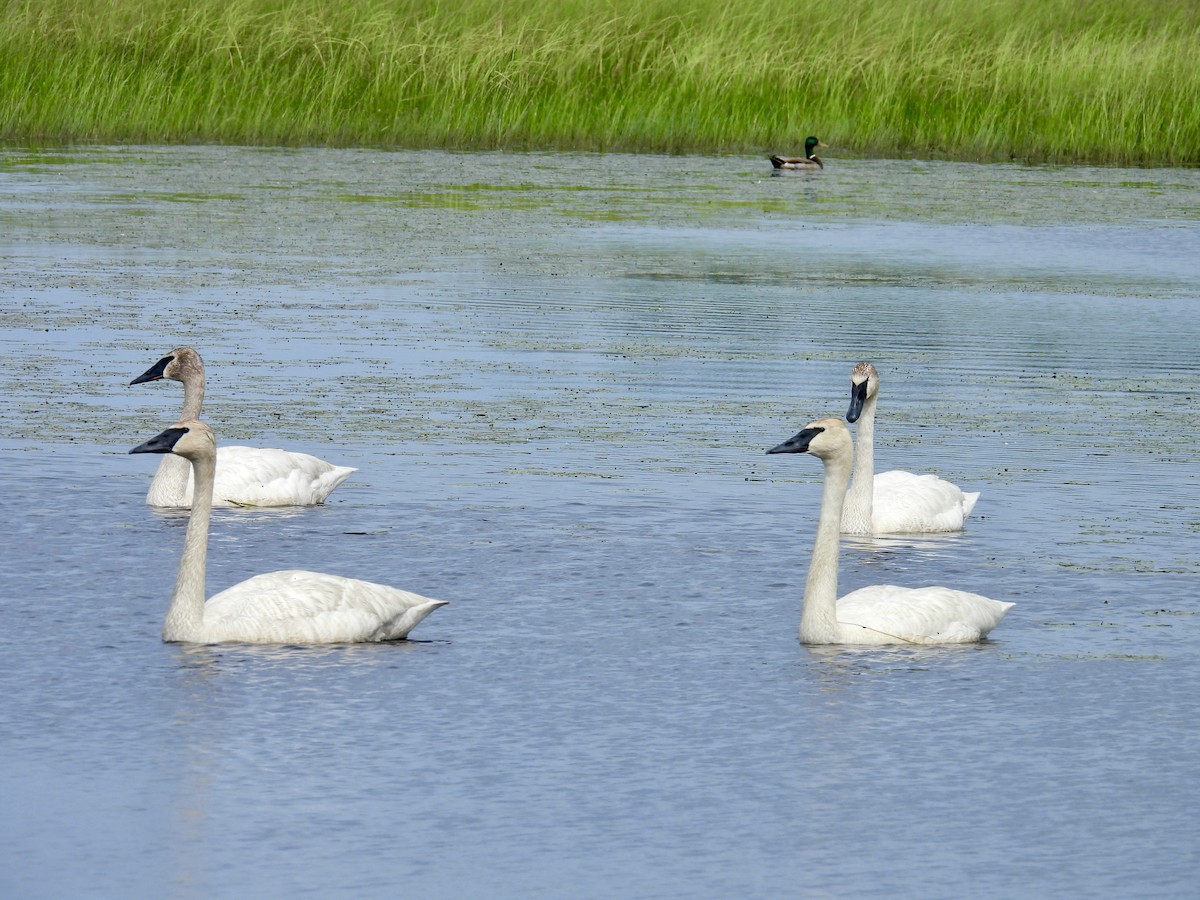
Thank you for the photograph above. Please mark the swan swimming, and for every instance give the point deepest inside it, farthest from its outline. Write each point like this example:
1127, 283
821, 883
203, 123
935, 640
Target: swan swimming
895, 502
246, 476
287, 607
883, 613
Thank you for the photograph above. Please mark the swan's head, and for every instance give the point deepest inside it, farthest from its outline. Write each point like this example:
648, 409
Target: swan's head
824, 439
864, 385
176, 365
190, 439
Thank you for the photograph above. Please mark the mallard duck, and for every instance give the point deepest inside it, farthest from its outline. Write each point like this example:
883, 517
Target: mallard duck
808, 161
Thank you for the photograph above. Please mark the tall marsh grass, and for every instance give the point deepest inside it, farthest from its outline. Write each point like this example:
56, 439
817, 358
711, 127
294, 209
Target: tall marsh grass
1085, 80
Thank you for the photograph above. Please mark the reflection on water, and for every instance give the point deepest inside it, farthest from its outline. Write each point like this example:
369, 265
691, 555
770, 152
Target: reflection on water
557, 383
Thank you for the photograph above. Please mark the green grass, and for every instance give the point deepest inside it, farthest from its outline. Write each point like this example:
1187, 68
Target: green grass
1108, 81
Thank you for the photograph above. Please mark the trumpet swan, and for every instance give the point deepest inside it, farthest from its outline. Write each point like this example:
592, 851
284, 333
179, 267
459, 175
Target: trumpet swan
809, 160
246, 476
884, 613
895, 502
287, 607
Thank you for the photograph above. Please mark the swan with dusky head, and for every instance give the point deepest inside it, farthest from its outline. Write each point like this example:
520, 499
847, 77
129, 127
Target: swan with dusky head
246, 476
895, 502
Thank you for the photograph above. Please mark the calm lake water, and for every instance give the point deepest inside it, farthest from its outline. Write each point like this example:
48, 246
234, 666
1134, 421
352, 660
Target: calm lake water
557, 375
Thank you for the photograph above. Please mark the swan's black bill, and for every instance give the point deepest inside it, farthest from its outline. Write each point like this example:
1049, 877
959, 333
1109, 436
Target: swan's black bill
858, 396
155, 372
798, 443
163, 443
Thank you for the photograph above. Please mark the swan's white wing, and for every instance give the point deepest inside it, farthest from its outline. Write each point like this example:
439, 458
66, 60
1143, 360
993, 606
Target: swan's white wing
928, 615
295, 606
250, 476
903, 502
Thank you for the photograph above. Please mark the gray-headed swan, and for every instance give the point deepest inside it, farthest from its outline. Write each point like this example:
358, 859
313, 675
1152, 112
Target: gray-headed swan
288, 607
881, 614
246, 476
895, 502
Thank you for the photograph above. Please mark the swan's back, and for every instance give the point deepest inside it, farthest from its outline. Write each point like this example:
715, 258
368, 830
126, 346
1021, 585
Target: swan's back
903, 502
300, 607
252, 476
887, 614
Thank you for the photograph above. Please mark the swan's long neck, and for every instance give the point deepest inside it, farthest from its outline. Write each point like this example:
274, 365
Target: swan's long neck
859, 506
193, 395
185, 616
169, 486
818, 620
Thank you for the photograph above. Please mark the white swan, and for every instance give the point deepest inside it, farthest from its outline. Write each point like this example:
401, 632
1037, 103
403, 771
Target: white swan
895, 502
246, 476
288, 607
881, 614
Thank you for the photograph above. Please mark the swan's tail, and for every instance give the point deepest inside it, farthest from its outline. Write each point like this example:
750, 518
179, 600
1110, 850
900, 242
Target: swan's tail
397, 629
997, 611
969, 502
326, 482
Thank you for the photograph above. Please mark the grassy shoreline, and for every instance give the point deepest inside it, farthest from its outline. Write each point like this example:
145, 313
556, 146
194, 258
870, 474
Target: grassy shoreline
1098, 81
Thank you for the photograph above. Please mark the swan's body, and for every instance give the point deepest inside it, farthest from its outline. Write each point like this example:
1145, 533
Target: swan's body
246, 476
809, 160
251, 476
288, 607
895, 502
880, 614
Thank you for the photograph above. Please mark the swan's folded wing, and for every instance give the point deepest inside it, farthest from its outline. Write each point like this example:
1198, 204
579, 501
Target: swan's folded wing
296, 606
906, 503
253, 476
929, 615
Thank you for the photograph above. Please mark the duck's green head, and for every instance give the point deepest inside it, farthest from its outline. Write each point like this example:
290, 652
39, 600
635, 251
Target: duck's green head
810, 145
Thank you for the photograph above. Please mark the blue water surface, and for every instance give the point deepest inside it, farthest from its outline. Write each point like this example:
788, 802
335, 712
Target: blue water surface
557, 375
